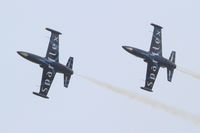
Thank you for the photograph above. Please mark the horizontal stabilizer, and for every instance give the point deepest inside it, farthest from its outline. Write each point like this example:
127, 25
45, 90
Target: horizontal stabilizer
170, 74
147, 89
41, 95
67, 76
53, 31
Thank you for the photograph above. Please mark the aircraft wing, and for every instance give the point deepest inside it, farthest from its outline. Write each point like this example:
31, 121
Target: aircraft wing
53, 48
151, 74
156, 42
47, 78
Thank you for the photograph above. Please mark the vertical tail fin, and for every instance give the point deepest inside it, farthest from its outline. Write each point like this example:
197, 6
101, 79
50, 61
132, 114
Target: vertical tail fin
67, 76
170, 72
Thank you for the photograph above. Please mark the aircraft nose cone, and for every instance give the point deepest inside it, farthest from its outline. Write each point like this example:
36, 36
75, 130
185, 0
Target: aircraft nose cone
23, 54
128, 48
124, 47
18, 52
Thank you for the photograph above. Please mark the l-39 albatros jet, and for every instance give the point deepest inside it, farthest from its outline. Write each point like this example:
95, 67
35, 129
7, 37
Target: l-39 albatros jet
154, 59
50, 64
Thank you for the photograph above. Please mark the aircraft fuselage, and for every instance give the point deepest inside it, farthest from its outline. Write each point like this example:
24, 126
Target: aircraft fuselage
44, 62
150, 57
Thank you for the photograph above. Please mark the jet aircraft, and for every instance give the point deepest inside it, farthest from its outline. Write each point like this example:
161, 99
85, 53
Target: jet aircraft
50, 64
154, 59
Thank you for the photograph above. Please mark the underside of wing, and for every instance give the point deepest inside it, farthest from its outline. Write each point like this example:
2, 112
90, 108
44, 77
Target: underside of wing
47, 78
53, 48
156, 43
151, 74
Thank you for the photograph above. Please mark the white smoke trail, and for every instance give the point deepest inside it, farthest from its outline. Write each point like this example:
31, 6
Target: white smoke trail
147, 101
189, 72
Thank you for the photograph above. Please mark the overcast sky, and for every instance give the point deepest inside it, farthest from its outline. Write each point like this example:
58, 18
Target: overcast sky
93, 33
